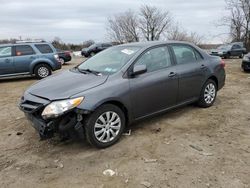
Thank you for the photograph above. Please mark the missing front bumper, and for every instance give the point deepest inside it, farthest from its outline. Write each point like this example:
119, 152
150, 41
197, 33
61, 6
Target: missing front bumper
63, 125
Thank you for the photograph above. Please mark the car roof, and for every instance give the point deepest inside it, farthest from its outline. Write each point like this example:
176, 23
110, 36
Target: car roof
21, 44
153, 43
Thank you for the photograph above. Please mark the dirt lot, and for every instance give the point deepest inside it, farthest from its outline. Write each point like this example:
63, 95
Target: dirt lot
187, 147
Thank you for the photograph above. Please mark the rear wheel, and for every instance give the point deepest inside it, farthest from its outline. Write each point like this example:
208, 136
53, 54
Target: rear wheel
105, 126
241, 55
42, 71
208, 94
62, 61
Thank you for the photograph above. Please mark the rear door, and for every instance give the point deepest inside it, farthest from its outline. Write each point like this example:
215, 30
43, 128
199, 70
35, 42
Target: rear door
156, 89
24, 55
6, 60
191, 70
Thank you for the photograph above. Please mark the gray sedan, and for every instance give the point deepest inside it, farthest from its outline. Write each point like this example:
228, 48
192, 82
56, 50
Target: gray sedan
121, 85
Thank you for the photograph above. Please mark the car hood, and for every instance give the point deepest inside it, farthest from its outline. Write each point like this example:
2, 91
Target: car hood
65, 84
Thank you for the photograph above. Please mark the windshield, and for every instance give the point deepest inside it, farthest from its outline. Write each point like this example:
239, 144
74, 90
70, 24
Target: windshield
109, 61
224, 47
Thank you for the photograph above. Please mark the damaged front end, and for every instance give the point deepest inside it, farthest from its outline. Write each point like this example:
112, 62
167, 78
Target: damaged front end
63, 123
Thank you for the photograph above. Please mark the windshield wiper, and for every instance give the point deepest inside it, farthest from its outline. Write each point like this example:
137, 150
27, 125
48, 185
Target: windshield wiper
80, 70
89, 71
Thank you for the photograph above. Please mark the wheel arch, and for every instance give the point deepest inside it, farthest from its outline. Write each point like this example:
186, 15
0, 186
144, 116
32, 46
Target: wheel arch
214, 78
120, 105
39, 63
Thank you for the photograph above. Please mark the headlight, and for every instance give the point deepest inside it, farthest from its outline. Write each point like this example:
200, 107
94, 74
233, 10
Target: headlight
57, 108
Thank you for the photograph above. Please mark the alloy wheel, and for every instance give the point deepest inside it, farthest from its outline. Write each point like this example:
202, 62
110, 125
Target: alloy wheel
43, 72
107, 127
210, 92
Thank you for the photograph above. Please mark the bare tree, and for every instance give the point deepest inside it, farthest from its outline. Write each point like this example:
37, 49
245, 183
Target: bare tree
239, 20
176, 32
153, 22
124, 27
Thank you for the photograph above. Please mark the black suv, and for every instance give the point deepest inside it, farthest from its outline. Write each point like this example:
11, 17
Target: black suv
94, 49
28, 58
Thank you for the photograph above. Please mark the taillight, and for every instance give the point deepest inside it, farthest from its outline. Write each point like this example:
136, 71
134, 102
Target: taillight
57, 57
222, 63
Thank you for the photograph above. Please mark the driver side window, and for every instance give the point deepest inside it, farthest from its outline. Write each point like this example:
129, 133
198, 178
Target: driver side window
155, 59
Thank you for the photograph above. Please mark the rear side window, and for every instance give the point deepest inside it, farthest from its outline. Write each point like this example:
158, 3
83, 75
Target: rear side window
5, 51
185, 54
236, 46
44, 48
24, 50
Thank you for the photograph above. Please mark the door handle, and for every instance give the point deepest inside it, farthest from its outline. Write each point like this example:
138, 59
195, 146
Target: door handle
7, 61
32, 57
203, 66
171, 74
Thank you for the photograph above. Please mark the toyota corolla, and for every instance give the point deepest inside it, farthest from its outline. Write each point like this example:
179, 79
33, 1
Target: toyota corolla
121, 85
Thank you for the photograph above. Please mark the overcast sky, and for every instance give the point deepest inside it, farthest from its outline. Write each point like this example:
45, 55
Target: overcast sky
79, 20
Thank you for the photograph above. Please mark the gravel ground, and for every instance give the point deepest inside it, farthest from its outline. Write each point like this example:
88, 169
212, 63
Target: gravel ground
186, 147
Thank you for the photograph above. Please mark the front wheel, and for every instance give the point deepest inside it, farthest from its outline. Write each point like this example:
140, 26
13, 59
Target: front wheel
208, 94
42, 71
105, 126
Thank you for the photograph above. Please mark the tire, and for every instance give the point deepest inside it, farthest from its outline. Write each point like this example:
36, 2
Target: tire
208, 94
241, 56
62, 61
97, 129
42, 71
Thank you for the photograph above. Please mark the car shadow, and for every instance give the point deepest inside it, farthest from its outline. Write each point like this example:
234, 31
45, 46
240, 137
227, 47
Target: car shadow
17, 79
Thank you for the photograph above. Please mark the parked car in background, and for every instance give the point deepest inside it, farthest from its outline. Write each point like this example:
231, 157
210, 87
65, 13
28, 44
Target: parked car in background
64, 56
245, 65
94, 49
121, 85
30, 58
229, 50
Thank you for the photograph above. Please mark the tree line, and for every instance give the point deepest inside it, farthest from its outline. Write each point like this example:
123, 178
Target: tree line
238, 21
149, 23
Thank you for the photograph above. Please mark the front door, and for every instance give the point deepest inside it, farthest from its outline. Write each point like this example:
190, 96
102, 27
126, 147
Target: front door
156, 89
6, 60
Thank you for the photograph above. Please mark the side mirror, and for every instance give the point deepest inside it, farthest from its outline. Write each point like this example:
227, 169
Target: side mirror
139, 69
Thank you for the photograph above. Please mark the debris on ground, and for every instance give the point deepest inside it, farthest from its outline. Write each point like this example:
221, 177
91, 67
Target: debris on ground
206, 154
157, 130
19, 133
150, 160
146, 184
60, 165
127, 133
196, 147
108, 172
